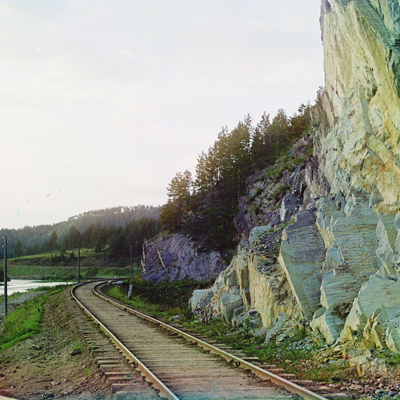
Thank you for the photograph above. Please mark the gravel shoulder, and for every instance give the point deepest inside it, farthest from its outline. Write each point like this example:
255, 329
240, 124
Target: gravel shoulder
44, 367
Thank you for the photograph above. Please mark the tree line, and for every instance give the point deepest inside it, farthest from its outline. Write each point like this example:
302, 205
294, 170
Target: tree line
34, 240
208, 201
116, 240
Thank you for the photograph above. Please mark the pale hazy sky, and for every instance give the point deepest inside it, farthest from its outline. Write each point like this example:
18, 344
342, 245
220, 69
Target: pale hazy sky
102, 102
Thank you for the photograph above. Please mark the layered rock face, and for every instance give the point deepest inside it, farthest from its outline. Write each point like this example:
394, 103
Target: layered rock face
338, 263
358, 120
253, 284
176, 257
358, 146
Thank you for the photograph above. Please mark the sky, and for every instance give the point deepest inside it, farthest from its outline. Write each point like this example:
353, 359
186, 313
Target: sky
103, 102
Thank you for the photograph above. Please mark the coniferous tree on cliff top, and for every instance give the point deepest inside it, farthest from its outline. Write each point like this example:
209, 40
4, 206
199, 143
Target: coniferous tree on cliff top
212, 198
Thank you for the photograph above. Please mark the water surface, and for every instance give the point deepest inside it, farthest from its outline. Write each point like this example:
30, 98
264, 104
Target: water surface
23, 285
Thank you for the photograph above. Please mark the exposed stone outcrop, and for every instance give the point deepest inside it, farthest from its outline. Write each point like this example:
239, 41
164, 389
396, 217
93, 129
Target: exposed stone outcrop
254, 281
177, 257
376, 312
357, 136
301, 255
261, 187
328, 254
290, 204
358, 118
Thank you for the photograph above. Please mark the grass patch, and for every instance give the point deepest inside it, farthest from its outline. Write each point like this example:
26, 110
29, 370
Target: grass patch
164, 292
25, 322
255, 209
286, 163
142, 304
53, 267
280, 193
294, 361
162, 299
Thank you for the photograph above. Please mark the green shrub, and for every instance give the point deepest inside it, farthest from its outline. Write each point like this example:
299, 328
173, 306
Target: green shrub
227, 256
259, 178
280, 193
255, 209
170, 294
91, 272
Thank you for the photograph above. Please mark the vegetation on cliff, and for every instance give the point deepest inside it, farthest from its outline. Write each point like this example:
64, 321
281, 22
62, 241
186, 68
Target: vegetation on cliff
204, 206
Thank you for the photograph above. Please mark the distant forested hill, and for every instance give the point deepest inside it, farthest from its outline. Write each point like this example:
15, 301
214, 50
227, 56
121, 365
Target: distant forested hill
32, 239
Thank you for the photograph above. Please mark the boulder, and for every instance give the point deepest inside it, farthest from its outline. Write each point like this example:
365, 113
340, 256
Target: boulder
200, 299
227, 304
329, 325
376, 312
258, 231
290, 203
301, 256
260, 282
369, 366
250, 319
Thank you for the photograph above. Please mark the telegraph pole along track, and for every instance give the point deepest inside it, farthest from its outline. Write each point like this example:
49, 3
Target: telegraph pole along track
175, 362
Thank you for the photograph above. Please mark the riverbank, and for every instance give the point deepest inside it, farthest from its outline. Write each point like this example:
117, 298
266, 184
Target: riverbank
24, 285
15, 301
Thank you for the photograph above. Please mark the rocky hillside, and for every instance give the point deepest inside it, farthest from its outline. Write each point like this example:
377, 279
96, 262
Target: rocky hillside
180, 255
329, 257
175, 257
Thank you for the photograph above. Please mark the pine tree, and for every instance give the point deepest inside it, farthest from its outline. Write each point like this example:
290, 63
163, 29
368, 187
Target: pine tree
18, 249
52, 244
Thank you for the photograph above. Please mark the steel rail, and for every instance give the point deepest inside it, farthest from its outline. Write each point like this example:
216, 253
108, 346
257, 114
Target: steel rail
148, 375
290, 386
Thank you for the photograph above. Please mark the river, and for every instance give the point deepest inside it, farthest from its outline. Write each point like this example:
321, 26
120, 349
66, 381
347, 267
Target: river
23, 285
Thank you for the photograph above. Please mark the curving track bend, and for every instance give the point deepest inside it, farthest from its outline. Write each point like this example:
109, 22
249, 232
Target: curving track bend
180, 369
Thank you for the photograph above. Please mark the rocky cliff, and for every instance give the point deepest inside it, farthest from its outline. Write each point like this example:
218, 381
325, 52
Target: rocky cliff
358, 122
330, 256
177, 257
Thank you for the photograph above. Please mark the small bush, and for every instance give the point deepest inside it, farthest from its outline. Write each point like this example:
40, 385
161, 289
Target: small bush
280, 193
255, 209
259, 178
170, 294
227, 256
91, 272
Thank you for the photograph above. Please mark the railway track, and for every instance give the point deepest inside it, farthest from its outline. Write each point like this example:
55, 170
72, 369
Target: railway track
178, 365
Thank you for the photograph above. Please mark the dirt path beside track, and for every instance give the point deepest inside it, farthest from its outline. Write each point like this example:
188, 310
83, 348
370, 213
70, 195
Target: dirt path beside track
43, 367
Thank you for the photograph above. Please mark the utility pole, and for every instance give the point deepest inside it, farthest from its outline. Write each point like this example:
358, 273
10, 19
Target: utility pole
130, 248
5, 275
79, 264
